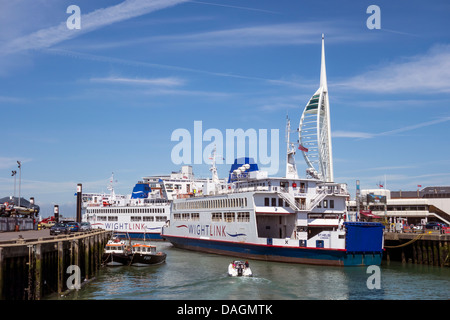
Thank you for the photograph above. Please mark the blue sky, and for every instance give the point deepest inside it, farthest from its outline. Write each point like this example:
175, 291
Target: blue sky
77, 105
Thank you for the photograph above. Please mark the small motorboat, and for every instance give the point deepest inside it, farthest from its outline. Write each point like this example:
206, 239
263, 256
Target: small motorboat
116, 253
239, 269
144, 255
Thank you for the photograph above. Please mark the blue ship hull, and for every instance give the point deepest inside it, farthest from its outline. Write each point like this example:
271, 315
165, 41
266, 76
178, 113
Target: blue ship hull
363, 247
316, 256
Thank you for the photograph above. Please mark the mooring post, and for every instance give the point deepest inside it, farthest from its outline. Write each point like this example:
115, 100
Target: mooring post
430, 252
76, 252
424, 253
435, 253
38, 272
86, 258
92, 255
99, 250
1, 274
60, 267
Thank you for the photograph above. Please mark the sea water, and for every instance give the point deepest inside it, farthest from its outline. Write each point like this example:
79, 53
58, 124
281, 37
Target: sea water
189, 275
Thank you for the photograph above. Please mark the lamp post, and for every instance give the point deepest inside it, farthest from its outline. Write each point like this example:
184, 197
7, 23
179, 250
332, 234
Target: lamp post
13, 174
20, 177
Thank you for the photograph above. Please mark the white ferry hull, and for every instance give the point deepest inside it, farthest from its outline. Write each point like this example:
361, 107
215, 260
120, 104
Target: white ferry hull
132, 231
138, 223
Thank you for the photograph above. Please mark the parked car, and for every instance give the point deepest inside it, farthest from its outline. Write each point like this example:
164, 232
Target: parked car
73, 226
85, 226
48, 224
59, 228
435, 225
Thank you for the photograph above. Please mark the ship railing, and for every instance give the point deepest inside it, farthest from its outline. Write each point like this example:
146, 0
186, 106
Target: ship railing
333, 188
325, 189
146, 202
321, 194
291, 201
244, 189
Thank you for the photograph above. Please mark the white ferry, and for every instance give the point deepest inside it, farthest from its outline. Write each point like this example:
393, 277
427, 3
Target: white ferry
275, 219
142, 213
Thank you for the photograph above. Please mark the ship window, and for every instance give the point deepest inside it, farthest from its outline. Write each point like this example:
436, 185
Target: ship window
216, 216
112, 218
280, 202
243, 217
135, 218
331, 203
266, 202
229, 216
147, 218
274, 202
177, 216
325, 203
195, 216
161, 218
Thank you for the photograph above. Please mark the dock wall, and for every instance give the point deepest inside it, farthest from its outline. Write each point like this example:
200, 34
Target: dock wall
33, 269
426, 248
13, 223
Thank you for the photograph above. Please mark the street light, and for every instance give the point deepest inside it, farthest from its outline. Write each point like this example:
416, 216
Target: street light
13, 174
20, 177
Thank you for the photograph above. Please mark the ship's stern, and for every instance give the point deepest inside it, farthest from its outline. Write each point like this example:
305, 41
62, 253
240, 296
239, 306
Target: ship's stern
364, 243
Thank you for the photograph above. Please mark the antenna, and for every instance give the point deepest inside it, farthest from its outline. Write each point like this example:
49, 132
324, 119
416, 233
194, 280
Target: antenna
291, 168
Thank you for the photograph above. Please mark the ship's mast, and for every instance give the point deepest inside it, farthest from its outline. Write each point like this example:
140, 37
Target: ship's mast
291, 168
213, 168
111, 187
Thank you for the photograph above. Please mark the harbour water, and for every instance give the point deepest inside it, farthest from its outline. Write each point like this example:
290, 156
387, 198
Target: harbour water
188, 275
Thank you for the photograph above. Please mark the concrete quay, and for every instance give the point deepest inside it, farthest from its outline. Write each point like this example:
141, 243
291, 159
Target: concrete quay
34, 264
430, 248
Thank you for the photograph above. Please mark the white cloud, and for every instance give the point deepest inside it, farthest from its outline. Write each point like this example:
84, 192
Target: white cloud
414, 126
262, 35
48, 37
235, 7
351, 134
426, 73
367, 135
167, 82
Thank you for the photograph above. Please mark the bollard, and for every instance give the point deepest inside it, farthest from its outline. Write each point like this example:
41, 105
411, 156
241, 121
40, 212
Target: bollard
56, 212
